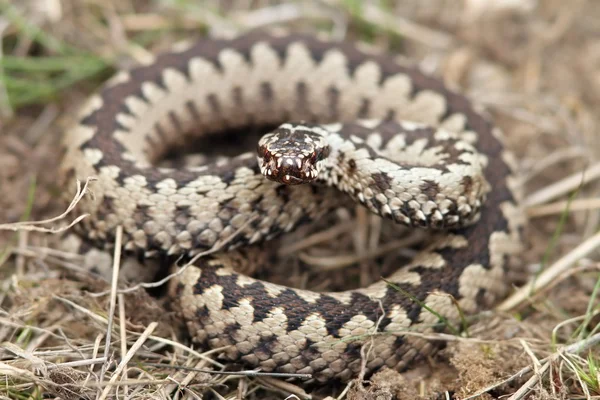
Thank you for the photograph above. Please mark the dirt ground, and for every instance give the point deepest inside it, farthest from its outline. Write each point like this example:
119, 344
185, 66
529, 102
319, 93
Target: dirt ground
534, 65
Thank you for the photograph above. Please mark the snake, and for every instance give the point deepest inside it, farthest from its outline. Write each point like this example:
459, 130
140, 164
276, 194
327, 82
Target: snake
344, 124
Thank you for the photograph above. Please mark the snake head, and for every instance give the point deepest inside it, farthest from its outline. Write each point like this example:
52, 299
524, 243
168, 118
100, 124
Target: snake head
294, 153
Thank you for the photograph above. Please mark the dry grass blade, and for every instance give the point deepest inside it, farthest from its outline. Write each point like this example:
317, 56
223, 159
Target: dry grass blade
17, 373
337, 262
281, 13
547, 277
36, 362
575, 348
560, 155
406, 28
79, 363
34, 225
6, 112
123, 335
169, 342
113, 295
138, 343
316, 238
560, 206
285, 387
564, 186
531, 382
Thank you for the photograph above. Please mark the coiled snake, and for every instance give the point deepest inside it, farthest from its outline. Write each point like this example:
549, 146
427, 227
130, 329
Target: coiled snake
386, 135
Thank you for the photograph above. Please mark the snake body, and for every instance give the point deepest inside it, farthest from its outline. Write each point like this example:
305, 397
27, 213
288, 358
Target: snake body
383, 133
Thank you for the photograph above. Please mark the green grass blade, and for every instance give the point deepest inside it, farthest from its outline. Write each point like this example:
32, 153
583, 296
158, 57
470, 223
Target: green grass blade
442, 319
31, 31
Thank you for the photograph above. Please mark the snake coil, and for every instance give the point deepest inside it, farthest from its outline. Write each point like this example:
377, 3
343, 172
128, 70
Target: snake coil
385, 134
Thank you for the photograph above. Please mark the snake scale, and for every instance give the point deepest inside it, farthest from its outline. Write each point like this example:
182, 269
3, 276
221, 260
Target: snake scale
347, 120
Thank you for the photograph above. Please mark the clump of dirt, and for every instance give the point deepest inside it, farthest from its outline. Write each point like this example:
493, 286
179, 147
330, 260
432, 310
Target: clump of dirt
69, 384
385, 385
51, 304
481, 365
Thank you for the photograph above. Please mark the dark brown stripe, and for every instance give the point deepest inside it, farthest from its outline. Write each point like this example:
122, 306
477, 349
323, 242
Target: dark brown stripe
176, 123
193, 111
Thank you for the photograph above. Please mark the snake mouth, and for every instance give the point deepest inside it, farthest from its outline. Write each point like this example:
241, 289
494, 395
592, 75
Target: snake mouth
291, 180
287, 170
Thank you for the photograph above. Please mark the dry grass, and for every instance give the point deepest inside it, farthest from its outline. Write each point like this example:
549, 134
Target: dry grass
534, 64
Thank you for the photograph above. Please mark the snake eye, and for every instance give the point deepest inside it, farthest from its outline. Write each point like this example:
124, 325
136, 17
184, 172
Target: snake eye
319, 155
263, 152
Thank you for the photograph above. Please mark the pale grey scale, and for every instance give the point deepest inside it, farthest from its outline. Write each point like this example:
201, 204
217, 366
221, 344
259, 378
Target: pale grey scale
432, 181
